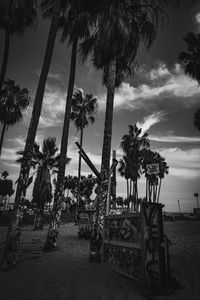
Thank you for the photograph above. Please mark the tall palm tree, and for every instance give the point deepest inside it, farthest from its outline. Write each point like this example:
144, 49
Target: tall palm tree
42, 190
84, 109
13, 100
13, 236
45, 162
133, 145
16, 16
124, 171
163, 170
75, 25
122, 26
190, 59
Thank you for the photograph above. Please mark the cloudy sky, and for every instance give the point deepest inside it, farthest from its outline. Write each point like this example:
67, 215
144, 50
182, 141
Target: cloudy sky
160, 98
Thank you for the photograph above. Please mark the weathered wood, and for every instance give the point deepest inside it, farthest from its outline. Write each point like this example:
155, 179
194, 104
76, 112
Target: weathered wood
134, 245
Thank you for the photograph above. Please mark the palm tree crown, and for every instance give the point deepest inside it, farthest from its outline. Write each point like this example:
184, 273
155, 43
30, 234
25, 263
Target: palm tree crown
132, 145
84, 109
15, 17
13, 101
190, 58
46, 160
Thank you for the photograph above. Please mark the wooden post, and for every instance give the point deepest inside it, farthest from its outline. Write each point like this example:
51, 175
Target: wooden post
114, 181
197, 198
108, 196
179, 207
153, 255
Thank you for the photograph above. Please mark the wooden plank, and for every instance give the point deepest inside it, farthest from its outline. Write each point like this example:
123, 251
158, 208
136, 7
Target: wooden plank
122, 244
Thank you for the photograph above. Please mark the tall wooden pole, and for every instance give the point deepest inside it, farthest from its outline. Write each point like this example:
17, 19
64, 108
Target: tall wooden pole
114, 181
179, 208
196, 195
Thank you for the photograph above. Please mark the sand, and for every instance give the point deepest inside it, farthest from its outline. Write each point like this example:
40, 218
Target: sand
67, 274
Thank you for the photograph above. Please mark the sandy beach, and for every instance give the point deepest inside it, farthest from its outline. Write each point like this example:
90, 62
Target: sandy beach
67, 274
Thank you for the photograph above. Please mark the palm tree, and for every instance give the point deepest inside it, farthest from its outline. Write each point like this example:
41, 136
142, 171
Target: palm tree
15, 18
42, 190
75, 24
5, 174
154, 179
13, 236
133, 145
122, 26
68, 184
13, 101
46, 164
124, 171
163, 170
84, 109
190, 60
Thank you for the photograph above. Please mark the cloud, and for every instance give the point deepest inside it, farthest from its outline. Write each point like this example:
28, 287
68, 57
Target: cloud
53, 108
161, 84
54, 76
160, 71
150, 121
174, 139
197, 17
9, 155
16, 142
182, 163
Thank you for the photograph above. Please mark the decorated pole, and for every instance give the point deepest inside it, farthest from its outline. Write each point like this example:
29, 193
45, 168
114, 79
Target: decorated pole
196, 195
179, 207
114, 181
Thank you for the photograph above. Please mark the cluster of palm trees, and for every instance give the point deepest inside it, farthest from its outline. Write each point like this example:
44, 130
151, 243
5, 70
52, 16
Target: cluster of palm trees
110, 33
136, 157
80, 189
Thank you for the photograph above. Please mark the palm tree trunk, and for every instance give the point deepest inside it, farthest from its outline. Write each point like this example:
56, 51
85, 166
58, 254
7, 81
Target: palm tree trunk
14, 231
52, 236
130, 185
106, 151
146, 189
150, 191
2, 136
127, 186
5, 57
39, 219
156, 190
136, 195
159, 190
